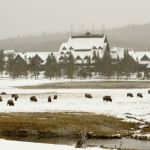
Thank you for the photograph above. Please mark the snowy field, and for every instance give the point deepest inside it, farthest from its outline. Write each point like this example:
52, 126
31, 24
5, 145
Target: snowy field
73, 100
15, 145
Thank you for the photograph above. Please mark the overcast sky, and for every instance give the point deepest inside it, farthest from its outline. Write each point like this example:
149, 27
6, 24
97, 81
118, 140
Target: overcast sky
24, 17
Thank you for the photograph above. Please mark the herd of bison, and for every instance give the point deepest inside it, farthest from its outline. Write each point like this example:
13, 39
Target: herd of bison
15, 97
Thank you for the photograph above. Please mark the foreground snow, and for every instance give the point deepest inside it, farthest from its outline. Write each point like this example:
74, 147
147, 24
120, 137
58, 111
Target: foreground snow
73, 100
15, 145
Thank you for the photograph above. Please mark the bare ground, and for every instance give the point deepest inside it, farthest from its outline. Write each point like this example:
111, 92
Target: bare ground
91, 85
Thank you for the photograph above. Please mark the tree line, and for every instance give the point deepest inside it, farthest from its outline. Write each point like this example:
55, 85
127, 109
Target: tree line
105, 67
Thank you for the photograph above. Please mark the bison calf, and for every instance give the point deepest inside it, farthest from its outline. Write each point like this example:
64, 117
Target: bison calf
107, 99
49, 99
129, 95
10, 103
139, 95
33, 99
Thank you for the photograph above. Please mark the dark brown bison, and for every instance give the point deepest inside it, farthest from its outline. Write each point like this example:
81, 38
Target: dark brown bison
55, 97
148, 91
129, 95
10, 103
3, 93
139, 95
1, 99
88, 95
33, 99
107, 99
15, 96
49, 99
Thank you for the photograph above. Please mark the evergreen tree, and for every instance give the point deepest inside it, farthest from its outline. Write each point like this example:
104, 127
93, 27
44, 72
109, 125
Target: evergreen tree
94, 57
9, 65
88, 67
107, 69
35, 66
82, 71
2, 62
70, 70
19, 67
128, 64
51, 67
98, 64
118, 67
63, 65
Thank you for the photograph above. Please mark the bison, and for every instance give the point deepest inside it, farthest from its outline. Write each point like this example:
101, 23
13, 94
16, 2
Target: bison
107, 99
88, 95
1, 99
139, 95
148, 91
49, 99
33, 99
15, 96
129, 95
3, 93
10, 103
55, 97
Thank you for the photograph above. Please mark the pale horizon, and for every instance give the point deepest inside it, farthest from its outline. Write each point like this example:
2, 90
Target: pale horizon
34, 17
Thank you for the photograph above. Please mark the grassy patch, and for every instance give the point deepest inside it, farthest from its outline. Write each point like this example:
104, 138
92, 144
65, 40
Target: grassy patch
63, 124
91, 85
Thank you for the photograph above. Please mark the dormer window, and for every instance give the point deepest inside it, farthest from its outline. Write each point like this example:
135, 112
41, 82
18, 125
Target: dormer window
71, 48
64, 48
78, 58
62, 53
100, 47
145, 58
94, 47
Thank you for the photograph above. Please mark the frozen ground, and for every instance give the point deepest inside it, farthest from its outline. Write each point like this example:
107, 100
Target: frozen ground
73, 100
15, 145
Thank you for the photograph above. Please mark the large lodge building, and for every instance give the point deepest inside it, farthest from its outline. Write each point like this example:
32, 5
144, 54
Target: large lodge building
82, 47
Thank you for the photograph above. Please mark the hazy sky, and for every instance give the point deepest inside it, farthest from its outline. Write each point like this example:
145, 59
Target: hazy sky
24, 17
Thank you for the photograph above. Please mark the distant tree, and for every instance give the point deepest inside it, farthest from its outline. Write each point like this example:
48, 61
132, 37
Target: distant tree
82, 72
117, 67
98, 64
88, 67
70, 69
35, 65
146, 74
107, 69
51, 67
9, 65
2, 62
19, 67
94, 56
128, 65
63, 65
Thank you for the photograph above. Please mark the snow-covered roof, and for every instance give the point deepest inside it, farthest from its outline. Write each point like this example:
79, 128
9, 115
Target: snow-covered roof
42, 55
9, 52
84, 43
139, 55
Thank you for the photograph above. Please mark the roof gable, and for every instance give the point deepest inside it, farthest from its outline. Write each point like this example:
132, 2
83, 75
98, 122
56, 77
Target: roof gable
145, 58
